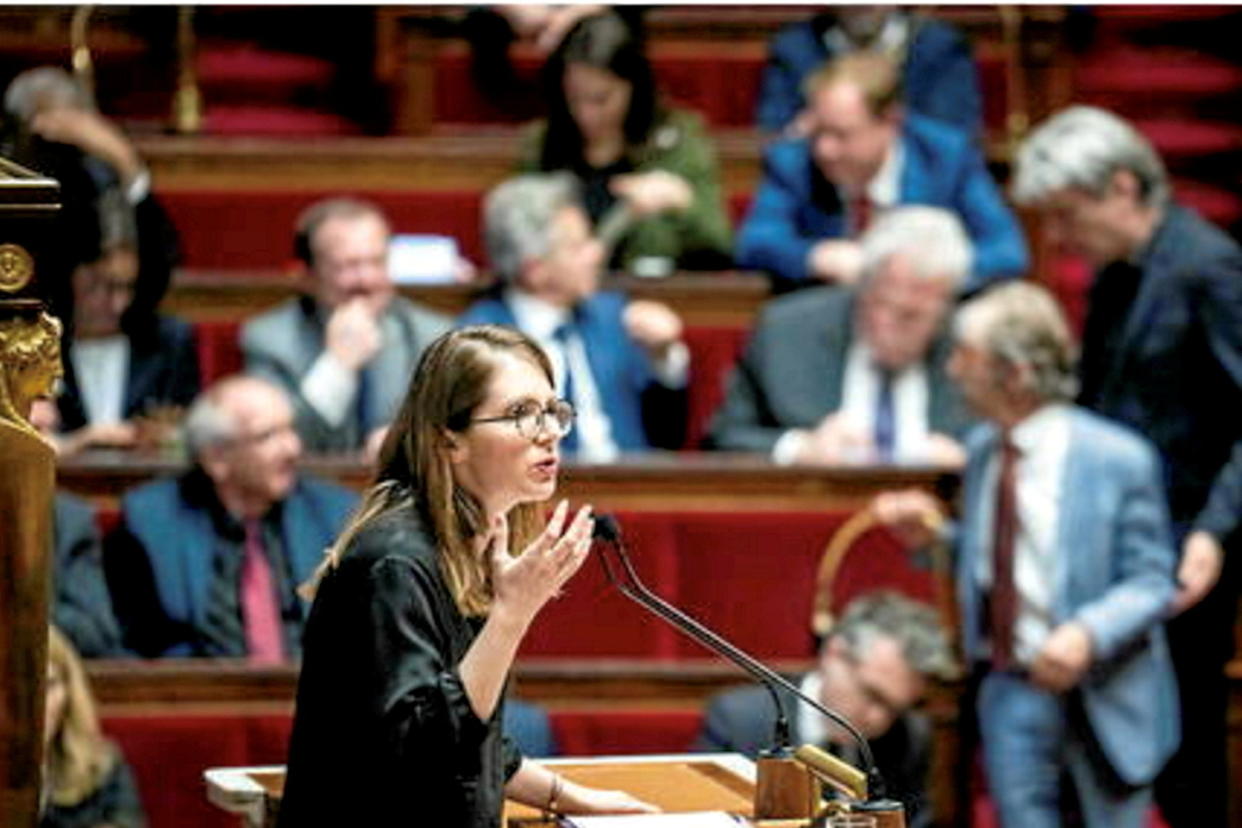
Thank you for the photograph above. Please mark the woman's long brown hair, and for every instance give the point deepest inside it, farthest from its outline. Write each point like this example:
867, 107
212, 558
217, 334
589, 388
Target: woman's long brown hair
450, 383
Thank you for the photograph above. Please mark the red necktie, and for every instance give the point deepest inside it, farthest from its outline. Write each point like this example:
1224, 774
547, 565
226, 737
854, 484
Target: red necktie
860, 213
260, 610
1004, 598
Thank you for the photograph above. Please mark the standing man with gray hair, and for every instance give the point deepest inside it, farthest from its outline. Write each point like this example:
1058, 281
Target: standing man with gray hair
1064, 575
208, 563
345, 351
840, 375
621, 363
873, 668
1162, 353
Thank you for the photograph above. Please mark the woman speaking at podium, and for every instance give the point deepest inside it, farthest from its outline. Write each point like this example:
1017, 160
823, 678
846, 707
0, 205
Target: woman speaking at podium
422, 602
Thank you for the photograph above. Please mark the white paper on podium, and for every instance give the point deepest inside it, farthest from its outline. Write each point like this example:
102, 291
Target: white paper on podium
696, 819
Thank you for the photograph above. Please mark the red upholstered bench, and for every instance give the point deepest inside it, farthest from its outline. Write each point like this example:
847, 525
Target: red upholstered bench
750, 576
253, 230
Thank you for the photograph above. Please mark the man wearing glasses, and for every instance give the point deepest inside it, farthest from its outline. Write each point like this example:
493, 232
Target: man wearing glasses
873, 668
208, 563
621, 365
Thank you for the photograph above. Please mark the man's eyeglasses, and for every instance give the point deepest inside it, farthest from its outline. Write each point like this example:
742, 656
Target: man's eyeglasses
531, 419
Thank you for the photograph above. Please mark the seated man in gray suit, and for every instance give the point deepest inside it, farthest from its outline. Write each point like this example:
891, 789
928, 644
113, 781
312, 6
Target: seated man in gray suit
208, 563
1064, 576
345, 352
856, 375
873, 667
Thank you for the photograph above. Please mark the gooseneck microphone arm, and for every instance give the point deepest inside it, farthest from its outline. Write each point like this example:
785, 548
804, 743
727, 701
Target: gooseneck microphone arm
630, 585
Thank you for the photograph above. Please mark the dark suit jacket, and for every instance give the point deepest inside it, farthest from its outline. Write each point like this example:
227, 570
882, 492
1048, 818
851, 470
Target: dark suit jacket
642, 412
939, 78
159, 562
1178, 376
792, 374
81, 607
795, 207
163, 370
743, 719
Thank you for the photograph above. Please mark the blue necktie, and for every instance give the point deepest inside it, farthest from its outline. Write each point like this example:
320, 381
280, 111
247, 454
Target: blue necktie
885, 418
569, 443
363, 403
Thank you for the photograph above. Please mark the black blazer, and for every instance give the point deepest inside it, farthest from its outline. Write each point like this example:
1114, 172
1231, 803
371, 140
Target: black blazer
1177, 373
163, 370
381, 709
742, 720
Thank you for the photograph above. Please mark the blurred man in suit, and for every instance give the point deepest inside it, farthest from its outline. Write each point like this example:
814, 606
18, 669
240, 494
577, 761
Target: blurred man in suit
1162, 352
1064, 575
856, 375
938, 74
622, 364
345, 352
208, 563
873, 668
864, 155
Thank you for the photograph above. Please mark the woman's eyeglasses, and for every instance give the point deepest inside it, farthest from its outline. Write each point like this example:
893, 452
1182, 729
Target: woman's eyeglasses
532, 420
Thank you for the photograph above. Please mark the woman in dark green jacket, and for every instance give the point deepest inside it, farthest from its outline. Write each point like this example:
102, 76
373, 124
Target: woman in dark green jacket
650, 181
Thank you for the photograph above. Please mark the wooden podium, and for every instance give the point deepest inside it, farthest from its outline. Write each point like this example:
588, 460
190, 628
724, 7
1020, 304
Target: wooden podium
677, 783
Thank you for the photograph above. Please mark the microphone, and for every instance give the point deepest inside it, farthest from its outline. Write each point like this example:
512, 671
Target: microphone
608, 530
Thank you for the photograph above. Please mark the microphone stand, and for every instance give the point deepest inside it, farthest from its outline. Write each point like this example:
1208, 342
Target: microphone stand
608, 530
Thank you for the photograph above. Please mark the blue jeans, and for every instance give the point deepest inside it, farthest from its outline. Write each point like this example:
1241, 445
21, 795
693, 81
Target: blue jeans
1032, 739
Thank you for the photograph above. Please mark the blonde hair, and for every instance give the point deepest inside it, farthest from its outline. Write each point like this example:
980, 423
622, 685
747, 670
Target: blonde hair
78, 756
450, 383
876, 76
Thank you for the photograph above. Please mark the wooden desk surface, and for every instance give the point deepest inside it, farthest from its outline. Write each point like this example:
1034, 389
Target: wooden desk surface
656, 481
720, 299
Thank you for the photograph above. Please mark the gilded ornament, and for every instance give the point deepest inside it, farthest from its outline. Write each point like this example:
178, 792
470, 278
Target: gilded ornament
16, 267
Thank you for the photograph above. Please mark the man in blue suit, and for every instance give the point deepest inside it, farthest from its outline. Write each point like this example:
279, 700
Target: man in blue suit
208, 564
938, 73
1162, 353
864, 155
622, 364
1064, 574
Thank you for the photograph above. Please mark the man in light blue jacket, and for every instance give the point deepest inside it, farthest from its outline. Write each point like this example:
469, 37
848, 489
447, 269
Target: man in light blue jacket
1064, 572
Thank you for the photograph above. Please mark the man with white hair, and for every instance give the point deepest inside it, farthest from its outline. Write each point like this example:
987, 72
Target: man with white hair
208, 563
1064, 574
838, 375
621, 363
1162, 352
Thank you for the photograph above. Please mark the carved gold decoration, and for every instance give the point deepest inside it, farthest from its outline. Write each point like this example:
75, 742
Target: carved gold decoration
29, 366
16, 267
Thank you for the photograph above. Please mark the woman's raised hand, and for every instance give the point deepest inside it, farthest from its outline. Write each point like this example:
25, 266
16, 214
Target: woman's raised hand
523, 584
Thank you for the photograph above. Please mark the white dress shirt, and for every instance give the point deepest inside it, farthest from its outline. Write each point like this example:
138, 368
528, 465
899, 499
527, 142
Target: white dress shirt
1042, 440
101, 368
859, 395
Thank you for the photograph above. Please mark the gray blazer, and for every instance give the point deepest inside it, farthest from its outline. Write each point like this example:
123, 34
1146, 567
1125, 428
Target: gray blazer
793, 371
1114, 574
283, 343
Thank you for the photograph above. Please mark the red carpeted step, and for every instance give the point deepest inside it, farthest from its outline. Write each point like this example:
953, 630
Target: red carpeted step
235, 63
1156, 72
1184, 137
256, 119
1216, 204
